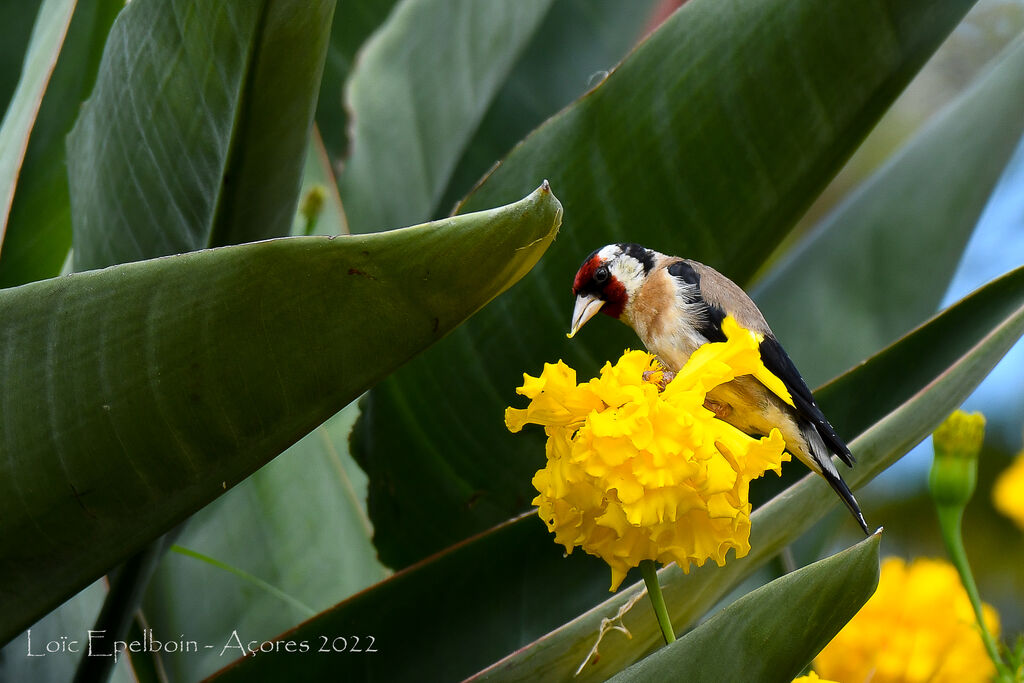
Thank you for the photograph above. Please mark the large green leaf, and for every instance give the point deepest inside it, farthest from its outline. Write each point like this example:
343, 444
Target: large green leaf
531, 588
900, 406
883, 260
39, 230
233, 85
773, 632
738, 113
299, 523
406, 138
134, 395
44, 48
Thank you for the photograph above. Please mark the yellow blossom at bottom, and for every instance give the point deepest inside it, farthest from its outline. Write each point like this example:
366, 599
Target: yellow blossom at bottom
1008, 492
918, 626
636, 473
812, 677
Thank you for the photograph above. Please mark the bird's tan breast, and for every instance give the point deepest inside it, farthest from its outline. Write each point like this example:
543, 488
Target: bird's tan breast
663, 321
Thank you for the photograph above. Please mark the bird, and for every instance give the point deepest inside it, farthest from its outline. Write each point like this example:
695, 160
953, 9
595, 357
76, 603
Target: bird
676, 305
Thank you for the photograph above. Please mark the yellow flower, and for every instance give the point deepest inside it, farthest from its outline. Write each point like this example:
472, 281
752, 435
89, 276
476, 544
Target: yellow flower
918, 626
1008, 493
811, 677
635, 473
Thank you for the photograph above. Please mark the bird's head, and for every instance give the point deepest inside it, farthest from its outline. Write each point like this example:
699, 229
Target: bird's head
607, 279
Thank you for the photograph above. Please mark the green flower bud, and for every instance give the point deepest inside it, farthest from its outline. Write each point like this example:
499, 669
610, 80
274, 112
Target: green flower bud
954, 472
313, 203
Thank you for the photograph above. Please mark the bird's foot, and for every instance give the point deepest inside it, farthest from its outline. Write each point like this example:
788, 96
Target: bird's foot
666, 377
721, 410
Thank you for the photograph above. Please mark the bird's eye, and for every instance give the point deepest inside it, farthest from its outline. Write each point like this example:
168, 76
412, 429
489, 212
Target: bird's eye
601, 274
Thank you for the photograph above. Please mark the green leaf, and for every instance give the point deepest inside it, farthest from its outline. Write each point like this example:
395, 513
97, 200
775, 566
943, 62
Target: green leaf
354, 21
39, 230
956, 350
575, 46
233, 85
738, 113
531, 589
16, 19
299, 524
910, 223
44, 48
406, 139
773, 632
134, 395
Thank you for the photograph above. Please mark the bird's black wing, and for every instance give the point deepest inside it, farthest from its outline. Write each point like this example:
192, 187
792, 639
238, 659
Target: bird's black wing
710, 324
779, 364
773, 355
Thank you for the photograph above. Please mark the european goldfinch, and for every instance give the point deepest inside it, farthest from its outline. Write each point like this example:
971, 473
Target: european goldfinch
675, 305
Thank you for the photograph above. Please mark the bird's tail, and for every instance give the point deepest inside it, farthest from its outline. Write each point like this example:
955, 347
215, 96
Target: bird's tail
827, 469
840, 487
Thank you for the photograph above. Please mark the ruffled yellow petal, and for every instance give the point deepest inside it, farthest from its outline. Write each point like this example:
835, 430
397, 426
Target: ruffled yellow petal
635, 473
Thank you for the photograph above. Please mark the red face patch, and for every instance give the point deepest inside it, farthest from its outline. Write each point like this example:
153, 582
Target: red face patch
614, 297
611, 291
585, 274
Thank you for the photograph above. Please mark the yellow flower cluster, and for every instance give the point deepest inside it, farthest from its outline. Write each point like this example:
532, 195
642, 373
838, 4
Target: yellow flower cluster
1008, 493
637, 473
918, 626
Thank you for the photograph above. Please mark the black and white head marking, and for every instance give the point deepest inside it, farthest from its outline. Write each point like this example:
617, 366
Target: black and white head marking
628, 263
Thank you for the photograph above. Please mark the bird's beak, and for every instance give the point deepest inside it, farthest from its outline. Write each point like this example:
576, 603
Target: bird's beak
585, 309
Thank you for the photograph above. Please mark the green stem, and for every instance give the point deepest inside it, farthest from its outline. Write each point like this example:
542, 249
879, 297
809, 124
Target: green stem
950, 521
650, 574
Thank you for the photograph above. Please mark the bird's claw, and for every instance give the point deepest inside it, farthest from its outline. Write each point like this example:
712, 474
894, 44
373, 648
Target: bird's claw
721, 410
666, 377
